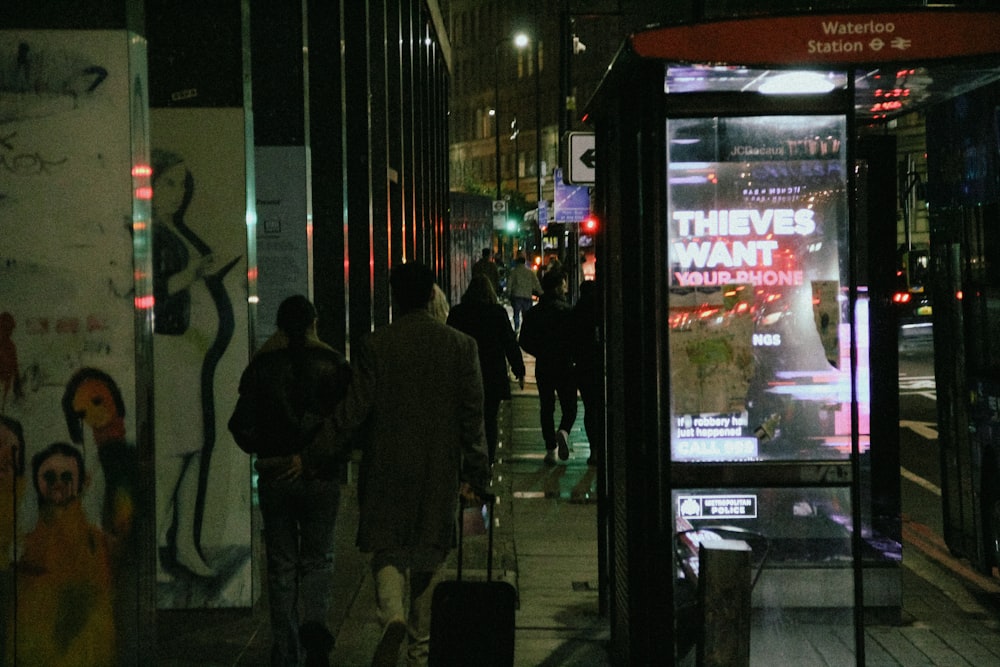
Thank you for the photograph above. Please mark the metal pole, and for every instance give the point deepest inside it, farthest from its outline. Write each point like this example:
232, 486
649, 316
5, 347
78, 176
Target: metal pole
496, 111
515, 133
538, 113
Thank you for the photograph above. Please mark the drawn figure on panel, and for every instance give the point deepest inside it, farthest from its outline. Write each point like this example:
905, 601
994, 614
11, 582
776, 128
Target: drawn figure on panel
194, 322
11, 491
10, 375
64, 615
93, 398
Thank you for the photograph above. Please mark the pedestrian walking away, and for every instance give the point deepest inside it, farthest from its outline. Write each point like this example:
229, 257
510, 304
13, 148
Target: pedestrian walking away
416, 403
485, 266
480, 316
588, 364
522, 286
546, 334
291, 384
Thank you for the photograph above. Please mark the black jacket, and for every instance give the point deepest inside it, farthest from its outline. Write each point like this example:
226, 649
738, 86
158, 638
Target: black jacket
547, 334
490, 326
293, 390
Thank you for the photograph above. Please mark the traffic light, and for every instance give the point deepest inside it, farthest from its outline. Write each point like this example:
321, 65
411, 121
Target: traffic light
589, 224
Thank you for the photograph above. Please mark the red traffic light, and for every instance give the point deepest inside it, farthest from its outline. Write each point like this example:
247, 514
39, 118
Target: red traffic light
589, 224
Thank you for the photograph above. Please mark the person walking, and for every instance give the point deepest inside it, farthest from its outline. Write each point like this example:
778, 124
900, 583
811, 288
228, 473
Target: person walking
546, 334
293, 382
480, 316
522, 285
588, 363
485, 266
417, 395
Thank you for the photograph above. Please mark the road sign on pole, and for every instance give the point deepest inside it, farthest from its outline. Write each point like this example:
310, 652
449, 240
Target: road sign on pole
582, 158
571, 202
499, 214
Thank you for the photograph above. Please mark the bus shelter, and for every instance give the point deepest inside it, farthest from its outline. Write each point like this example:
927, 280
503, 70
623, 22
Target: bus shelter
746, 176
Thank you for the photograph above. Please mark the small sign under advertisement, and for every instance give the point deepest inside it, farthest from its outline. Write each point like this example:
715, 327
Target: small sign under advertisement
717, 507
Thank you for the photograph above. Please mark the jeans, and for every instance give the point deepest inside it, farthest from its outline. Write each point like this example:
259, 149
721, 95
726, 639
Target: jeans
551, 384
521, 305
299, 520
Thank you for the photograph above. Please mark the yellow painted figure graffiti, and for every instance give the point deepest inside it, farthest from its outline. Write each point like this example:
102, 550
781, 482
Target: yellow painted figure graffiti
64, 610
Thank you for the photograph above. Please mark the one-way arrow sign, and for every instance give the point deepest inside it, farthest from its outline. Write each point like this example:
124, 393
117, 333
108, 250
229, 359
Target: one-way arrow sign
582, 158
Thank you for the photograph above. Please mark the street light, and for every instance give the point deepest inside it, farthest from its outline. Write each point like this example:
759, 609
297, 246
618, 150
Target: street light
520, 40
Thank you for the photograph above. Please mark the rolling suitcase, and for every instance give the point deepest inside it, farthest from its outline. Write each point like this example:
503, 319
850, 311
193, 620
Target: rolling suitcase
472, 622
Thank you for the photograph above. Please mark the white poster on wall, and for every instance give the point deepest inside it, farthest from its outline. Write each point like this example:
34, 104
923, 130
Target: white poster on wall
200, 349
282, 232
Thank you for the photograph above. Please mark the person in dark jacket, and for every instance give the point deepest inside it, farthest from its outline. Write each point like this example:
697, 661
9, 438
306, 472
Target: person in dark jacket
487, 267
588, 361
296, 381
480, 316
546, 334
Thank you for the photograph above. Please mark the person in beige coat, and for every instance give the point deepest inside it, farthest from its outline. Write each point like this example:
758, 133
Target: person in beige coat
415, 407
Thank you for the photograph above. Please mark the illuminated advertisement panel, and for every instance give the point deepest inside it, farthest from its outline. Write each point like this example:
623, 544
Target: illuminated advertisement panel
759, 334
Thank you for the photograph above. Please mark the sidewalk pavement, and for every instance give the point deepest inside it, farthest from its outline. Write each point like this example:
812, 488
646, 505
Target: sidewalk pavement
546, 545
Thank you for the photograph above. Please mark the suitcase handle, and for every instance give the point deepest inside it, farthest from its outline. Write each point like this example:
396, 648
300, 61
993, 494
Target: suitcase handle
491, 500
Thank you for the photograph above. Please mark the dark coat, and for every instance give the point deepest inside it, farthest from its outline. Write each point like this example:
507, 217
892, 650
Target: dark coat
489, 325
293, 390
547, 335
416, 402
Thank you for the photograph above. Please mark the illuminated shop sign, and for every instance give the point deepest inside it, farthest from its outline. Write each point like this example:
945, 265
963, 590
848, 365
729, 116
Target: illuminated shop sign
758, 325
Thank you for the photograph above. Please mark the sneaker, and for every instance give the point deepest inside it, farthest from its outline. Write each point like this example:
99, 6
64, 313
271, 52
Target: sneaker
387, 652
550, 457
562, 441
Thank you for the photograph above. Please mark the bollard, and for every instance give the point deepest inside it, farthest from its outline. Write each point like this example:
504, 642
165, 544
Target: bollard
724, 584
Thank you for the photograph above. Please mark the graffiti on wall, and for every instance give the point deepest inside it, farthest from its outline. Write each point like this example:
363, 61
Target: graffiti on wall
67, 352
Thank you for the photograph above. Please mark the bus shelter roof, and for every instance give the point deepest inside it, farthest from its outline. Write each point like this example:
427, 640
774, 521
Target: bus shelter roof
899, 61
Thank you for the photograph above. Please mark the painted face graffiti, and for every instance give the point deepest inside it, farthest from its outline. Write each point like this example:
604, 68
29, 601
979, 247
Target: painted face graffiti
94, 403
59, 480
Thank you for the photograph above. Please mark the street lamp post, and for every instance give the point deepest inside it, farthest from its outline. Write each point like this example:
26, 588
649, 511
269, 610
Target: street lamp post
521, 40
538, 120
496, 111
515, 132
